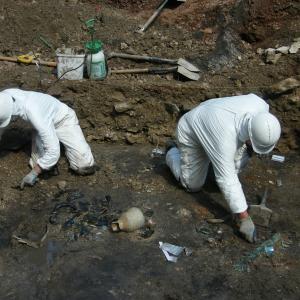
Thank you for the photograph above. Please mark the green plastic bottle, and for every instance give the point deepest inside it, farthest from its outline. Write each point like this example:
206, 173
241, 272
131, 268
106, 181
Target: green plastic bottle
95, 62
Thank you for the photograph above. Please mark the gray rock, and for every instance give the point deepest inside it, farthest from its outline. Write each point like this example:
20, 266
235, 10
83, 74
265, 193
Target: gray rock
172, 108
132, 130
124, 46
122, 107
204, 86
294, 99
118, 96
55, 91
132, 138
111, 136
62, 185
283, 50
269, 51
184, 213
272, 57
284, 86
294, 47
260, 51
169, 77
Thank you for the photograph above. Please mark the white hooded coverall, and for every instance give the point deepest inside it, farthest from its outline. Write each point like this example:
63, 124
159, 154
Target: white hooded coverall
215, 131
53, 122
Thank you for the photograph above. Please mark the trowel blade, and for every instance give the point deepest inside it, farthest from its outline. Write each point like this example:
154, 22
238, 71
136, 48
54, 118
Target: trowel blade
187, 65
188, 74
260, 215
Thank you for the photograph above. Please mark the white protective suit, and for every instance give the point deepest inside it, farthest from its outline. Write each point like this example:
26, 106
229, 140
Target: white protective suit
53, 122
215, 131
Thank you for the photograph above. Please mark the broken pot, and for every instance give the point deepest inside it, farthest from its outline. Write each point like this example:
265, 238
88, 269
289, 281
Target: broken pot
129, 221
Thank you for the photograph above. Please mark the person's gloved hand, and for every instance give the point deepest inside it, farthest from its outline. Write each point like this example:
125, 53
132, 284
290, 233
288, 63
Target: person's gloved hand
247, 229
30, 179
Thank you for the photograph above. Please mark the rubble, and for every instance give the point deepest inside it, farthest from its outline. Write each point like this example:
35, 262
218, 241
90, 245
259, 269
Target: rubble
272, 55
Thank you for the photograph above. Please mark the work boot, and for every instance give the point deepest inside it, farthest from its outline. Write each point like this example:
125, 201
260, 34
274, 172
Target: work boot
170, 144
87, 170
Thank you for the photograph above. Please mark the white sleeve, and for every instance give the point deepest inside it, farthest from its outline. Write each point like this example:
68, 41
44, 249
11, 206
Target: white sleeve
45, 129
220, 145
227, 178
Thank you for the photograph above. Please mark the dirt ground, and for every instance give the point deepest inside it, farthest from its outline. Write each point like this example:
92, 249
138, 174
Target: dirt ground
124, 117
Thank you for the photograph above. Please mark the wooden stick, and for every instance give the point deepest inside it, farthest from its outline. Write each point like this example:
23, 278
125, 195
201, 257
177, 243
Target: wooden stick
152, 70
40, 62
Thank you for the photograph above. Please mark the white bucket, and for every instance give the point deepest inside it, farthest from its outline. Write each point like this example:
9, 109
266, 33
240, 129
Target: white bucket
68, 60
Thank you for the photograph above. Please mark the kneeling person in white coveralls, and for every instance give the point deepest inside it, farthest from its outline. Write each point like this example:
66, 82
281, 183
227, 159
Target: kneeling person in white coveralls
53, 122
220, 132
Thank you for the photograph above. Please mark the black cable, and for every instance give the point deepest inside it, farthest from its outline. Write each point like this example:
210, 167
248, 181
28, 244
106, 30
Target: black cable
64, 75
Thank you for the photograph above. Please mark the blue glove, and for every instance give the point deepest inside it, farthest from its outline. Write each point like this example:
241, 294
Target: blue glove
30, 179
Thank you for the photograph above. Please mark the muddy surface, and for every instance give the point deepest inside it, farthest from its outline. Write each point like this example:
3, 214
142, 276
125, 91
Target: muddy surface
124, 117
96, 263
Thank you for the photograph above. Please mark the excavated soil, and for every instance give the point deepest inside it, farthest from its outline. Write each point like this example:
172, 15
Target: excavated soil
123, 118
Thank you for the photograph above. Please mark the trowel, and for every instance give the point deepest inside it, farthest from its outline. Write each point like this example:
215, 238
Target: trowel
153, 59
261, 214
156, 70
182, 66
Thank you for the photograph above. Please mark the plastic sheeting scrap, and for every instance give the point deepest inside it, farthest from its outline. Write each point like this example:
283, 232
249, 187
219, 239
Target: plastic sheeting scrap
172, 252
278, 158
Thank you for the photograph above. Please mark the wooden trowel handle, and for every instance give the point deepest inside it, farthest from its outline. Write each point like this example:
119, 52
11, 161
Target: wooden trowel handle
152, 59
151, 70
40, 62
153, 17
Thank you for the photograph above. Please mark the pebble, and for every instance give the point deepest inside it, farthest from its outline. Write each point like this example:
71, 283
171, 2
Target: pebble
211, 240
269, 51
172, 108
184, 213
123, 46
272, 57
260, 51
294, 47
122, 107
131, 139
293, 99
62, 185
